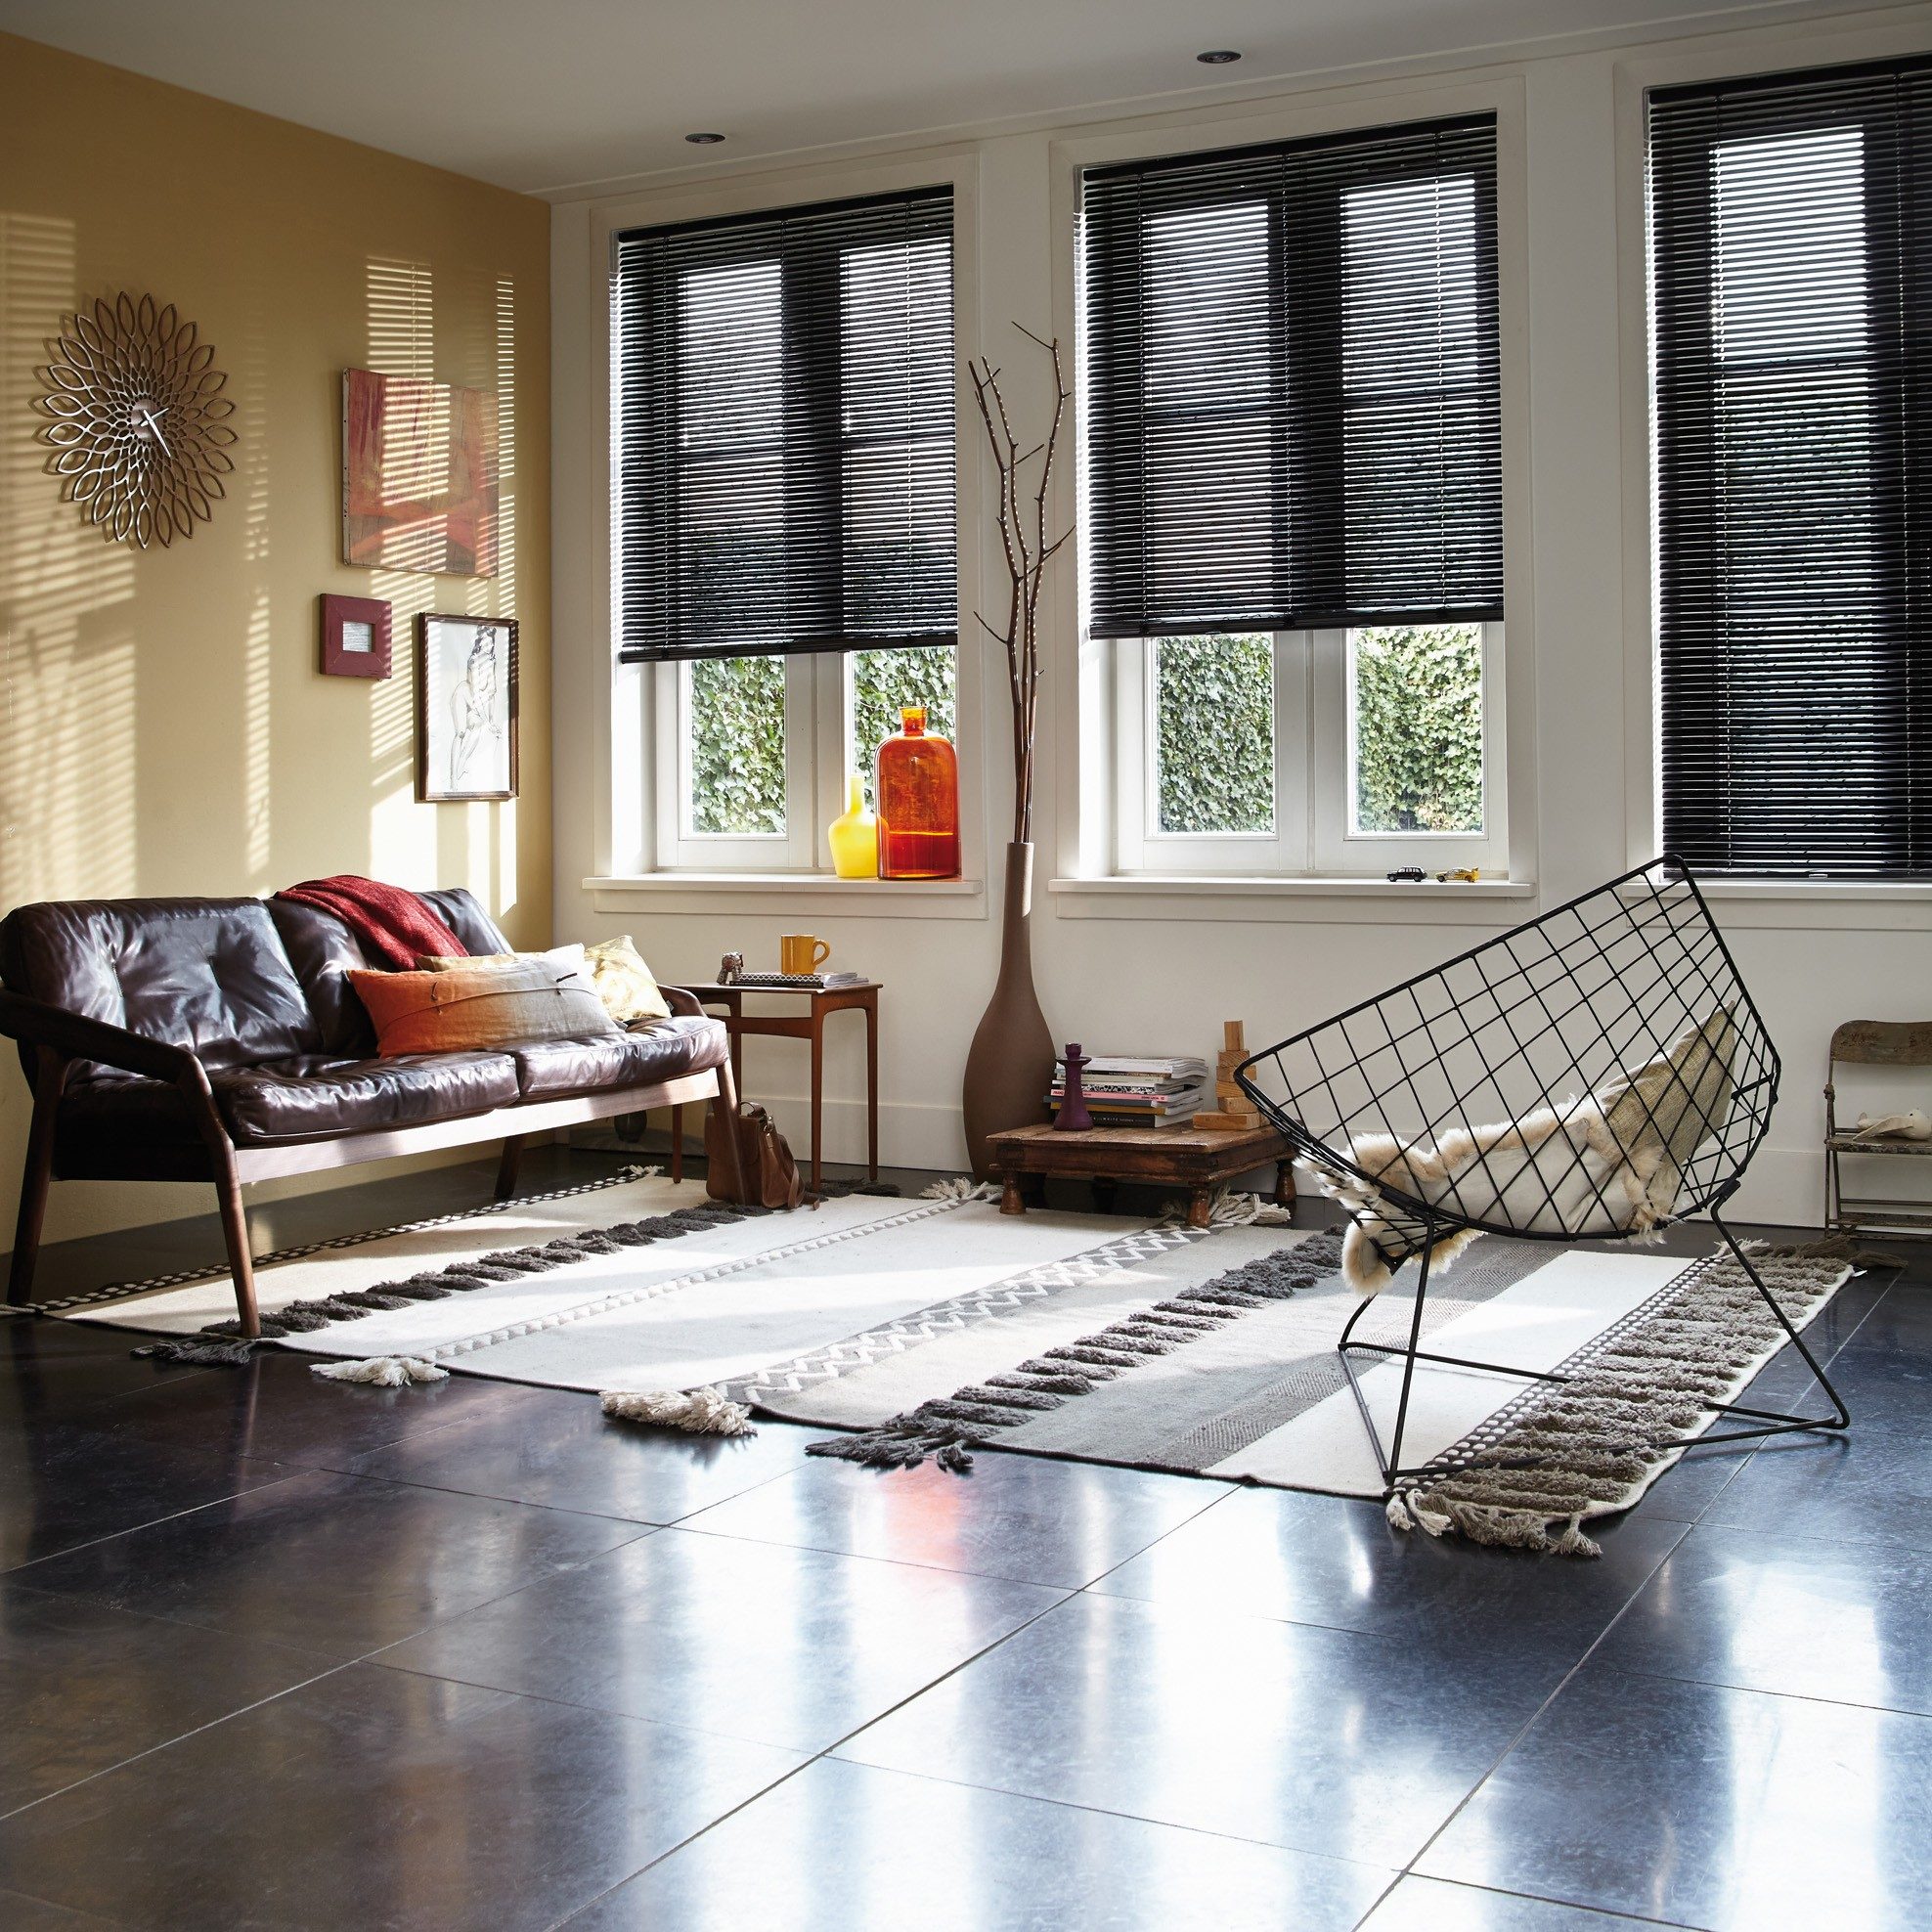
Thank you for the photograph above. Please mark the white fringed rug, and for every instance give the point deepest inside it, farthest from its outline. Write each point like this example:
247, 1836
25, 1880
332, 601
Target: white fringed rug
927, 1325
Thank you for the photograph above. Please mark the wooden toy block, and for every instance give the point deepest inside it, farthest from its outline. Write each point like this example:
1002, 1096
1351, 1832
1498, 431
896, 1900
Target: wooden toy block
1234, 1036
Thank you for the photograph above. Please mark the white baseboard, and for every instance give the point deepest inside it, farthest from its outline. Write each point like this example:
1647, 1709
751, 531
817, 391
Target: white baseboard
911, 1134
1783, 1187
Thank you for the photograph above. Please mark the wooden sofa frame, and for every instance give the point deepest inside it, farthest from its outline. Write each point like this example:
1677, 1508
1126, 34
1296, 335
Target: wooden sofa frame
57, 1038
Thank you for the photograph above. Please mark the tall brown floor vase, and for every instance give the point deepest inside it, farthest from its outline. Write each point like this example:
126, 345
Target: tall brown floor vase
1010, 1066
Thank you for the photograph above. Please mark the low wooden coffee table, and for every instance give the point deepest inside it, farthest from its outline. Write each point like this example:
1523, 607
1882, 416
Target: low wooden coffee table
1171, 1156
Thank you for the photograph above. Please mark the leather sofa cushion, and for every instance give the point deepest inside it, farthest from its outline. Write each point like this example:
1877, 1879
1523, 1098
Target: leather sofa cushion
657, 1050
316, 1096
208, 974
324, 952
122, 1127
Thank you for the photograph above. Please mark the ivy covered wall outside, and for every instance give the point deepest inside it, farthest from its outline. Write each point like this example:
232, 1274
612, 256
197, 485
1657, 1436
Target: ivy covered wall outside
1418, 725
1418, 722
737, 728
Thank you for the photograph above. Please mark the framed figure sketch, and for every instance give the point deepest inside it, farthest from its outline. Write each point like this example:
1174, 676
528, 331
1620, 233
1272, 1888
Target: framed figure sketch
465, 707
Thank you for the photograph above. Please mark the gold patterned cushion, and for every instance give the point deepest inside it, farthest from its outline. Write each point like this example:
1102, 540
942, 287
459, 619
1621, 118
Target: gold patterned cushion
624, 982
565, 962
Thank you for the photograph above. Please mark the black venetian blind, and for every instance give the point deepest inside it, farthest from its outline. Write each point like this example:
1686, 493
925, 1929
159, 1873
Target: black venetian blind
784, 422
1291, 386
1791, 225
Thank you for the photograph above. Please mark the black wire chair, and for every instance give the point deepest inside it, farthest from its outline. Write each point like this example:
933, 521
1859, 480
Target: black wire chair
1576, 1003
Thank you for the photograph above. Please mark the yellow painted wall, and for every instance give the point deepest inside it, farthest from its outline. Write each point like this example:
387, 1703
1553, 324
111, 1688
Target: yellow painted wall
164, 727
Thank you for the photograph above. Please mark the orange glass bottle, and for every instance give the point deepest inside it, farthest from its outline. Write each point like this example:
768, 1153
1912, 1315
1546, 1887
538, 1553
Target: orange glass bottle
918, 802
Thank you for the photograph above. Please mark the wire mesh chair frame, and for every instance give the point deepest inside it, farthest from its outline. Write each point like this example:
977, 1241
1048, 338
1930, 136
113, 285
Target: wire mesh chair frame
1567, 1021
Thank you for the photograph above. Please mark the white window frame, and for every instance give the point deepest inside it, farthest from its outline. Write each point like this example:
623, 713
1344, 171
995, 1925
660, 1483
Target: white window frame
1343, 852
1140, 845
683, 849
1313, 780
819, 753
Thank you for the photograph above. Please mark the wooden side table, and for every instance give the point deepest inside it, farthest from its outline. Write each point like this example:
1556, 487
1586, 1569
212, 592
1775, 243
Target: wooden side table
1171, 1157
861, 997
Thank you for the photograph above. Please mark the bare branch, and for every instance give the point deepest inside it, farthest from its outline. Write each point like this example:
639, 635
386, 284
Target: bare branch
1023, 544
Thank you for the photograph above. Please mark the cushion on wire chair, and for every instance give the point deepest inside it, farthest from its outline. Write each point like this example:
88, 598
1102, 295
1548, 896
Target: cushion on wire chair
1610, 1163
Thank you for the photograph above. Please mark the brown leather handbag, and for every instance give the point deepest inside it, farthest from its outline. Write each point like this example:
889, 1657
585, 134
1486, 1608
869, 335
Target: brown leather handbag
772, 1176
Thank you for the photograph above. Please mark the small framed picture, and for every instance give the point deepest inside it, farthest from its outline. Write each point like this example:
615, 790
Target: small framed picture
355, 637
465, 707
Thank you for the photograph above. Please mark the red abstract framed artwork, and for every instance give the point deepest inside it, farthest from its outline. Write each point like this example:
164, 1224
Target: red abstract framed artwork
355, 637
418, 475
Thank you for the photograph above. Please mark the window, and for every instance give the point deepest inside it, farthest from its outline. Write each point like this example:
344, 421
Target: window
752, 752
1293, 502
1791, 383
1334, 752
783, 512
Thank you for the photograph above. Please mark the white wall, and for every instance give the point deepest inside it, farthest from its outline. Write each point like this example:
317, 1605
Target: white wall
1154, 970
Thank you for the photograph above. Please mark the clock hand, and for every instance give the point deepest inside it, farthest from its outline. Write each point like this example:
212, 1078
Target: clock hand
150, 421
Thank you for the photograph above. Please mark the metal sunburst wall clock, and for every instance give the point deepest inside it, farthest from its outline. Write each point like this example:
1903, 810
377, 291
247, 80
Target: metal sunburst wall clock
136, 418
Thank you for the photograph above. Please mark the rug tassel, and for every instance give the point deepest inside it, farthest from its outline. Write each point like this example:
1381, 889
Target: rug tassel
701, 1412
1233, 1210
961, 1188
1491, 1524
212, 1351
1406, 1511
383, 1371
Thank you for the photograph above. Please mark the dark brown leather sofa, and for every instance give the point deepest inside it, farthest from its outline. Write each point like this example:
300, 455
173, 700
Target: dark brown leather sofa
220, 1039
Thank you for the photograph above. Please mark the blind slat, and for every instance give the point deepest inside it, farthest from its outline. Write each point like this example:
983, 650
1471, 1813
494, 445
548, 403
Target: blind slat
1291, 384
784, 427
1792, 228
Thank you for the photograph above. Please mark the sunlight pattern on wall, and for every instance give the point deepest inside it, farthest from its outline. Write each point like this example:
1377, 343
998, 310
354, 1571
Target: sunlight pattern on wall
502, 586
67, 747
401, 309
252, 485
474, 346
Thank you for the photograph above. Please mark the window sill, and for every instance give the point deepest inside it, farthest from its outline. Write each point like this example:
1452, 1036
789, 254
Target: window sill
1197, 897
1899, 891
1814, 904
687, 893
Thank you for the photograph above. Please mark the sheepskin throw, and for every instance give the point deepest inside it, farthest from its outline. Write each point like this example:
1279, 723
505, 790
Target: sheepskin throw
1610, 1162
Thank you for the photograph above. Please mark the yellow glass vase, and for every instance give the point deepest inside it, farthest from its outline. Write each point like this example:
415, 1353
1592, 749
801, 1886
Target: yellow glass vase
854, 836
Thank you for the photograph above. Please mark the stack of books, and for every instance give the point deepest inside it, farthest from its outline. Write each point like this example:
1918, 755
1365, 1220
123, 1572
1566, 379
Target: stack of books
1123, 1092
797, 982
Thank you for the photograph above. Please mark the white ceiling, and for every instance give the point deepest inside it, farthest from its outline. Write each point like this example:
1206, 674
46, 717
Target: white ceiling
560, 95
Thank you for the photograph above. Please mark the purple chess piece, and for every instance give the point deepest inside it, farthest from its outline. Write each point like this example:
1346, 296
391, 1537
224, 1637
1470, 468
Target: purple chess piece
1072, 1116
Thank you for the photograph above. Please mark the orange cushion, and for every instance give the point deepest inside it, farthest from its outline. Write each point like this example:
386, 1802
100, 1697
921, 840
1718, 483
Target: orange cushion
498, 1005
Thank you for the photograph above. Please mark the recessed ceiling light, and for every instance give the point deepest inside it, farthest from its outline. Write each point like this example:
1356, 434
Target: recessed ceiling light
1217, 56
704, 140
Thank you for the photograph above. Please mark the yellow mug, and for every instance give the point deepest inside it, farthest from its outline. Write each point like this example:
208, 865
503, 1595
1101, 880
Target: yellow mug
799, 952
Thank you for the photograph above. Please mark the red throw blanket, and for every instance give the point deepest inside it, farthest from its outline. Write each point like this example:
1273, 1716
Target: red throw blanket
395, 926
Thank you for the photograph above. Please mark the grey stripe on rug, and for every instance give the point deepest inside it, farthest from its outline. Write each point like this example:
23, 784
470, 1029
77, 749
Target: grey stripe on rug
1047, 1365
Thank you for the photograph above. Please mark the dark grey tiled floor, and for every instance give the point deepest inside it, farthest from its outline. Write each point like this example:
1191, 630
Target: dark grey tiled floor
278, 1654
